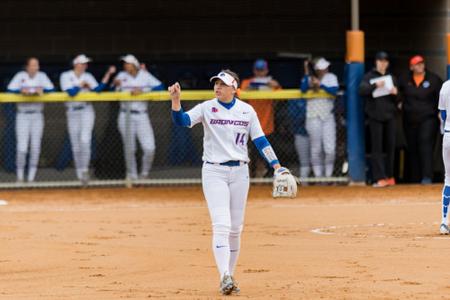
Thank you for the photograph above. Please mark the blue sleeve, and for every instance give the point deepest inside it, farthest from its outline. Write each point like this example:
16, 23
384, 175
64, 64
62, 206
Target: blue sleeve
181, 118
262, 143
73, 91
49, 90
330, 89
14, 91
158, 88
443, 115
99, 87
304, 84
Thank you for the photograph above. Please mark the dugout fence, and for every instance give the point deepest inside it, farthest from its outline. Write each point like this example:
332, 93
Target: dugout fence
178, 152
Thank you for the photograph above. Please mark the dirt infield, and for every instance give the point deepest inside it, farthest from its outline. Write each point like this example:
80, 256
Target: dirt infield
154, 243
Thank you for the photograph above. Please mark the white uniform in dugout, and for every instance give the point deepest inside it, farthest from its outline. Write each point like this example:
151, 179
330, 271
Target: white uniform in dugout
140, 126
81, 115
228, 126
321, 124
29, 120
444, 107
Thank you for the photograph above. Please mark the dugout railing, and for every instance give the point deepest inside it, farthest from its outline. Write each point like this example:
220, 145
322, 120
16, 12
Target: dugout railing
178, 150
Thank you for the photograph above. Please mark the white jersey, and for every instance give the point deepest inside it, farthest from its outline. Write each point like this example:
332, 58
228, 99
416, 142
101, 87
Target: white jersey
69, 80
23, 80
143, 80
444, 102
261, 83
226, 131
322, 107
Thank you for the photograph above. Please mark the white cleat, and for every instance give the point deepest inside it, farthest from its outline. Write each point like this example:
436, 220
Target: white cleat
444, 229
226, 285
236, 290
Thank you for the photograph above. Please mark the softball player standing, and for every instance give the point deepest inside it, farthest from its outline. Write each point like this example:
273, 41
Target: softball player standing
135, 80
29, 117
320, 122
444, 107
81, 115
228, 125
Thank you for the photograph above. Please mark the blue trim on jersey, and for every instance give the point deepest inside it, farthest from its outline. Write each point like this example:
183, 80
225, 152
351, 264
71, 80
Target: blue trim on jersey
443, 115
330, 89
262, 143
304, 84
160, 87
99, 87
228, 105
73, 91
49, 90
180, 118
13, 91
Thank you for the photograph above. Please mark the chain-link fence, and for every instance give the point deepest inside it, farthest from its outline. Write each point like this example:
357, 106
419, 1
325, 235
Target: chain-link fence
123, 150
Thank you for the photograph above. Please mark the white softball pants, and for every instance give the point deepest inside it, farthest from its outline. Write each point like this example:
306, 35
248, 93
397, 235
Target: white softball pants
446, 156
80, 124
29, 130
226, 190
140, 129
302, 148
322, 136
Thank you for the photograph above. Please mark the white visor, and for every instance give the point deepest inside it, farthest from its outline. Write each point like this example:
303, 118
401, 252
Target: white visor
81, 59
130, 59
226, 78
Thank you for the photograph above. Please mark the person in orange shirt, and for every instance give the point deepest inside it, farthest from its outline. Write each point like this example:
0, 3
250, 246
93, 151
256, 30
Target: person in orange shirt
264, 109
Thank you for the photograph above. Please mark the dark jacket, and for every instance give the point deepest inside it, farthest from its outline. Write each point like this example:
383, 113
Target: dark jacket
420, 103
381, 108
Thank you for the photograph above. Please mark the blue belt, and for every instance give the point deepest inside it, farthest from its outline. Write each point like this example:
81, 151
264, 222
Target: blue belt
230, 163
79, 107
29, 111
134, 112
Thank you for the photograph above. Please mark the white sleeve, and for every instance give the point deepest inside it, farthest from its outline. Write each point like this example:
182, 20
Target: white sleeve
119, 77
442, 97
64, 82
255, 127
46, 83
91, 81
196, 114
153, 81
330, 80
14, 84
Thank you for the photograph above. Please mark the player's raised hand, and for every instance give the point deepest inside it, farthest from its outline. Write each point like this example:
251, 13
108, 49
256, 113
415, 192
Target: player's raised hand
175, 93
107, 76
112, 70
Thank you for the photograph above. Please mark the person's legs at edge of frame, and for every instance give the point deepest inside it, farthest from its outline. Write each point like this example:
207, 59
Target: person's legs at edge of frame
446, 189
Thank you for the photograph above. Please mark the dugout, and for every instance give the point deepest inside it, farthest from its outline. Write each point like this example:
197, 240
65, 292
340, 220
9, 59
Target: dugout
193, 41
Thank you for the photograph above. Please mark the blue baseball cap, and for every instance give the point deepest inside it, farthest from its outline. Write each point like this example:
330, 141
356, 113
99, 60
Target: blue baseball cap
261, 64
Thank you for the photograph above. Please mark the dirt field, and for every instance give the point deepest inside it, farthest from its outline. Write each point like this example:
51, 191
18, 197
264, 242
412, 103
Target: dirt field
154, 243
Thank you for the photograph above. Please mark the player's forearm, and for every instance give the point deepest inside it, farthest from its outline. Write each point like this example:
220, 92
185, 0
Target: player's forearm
176, 104
266, 151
